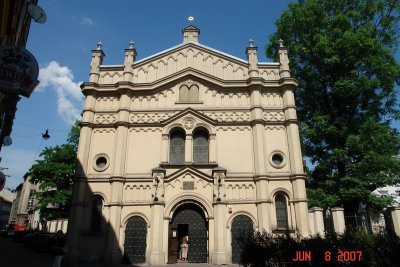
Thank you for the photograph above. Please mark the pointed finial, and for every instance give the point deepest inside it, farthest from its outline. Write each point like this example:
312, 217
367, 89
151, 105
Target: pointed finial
280, 42
131, 44
251, 43
190, 18
99, 46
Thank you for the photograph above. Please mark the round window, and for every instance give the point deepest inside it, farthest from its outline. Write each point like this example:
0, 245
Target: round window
101, 162
277, 159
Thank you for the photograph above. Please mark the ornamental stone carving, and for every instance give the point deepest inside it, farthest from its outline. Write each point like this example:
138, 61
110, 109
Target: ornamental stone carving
274, 116
105, 118
189, 123
229, 116
148, 117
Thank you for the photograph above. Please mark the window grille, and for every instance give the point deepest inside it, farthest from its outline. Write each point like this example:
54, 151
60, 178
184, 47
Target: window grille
281, 212
177, 148
200, 147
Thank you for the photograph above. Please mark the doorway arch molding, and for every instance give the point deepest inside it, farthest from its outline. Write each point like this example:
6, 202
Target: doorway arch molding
132, 214
192, 198
246, 213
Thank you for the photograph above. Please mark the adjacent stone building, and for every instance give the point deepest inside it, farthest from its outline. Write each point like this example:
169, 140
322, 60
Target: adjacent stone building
25, 203
6, 199
189, 141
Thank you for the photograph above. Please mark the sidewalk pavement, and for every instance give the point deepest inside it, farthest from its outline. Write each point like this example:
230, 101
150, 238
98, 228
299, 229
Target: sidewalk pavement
183, 264
17, 255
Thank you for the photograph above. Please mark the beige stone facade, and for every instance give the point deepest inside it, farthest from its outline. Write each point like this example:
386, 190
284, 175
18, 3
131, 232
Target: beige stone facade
24, 204
187, 132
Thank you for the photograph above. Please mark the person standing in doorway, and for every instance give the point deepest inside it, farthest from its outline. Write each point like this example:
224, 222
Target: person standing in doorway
185, 247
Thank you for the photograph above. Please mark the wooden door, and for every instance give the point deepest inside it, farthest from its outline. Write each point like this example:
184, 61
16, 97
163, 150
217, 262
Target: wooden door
173, 242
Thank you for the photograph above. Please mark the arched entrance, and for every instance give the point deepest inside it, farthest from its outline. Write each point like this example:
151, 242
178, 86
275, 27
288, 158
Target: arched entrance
242, 227
188, 220
135, 240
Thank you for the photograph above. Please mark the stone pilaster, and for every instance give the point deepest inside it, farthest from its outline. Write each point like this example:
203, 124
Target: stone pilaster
258, 132
220, 255
75, 222
164, 148
284, 69
251, 52
213, 149
157, 256
189, 149
130, 56
318, 221
263, 206
300, 205
338, 220
122, 135
395, 215
113, 251
156, 253
97, 60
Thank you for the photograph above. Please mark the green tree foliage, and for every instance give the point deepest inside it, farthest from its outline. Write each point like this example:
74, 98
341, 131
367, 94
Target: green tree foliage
54, 173
342, 53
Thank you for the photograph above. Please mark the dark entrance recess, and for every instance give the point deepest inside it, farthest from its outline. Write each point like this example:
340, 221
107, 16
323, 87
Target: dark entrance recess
135, 241
188, 220
242, 228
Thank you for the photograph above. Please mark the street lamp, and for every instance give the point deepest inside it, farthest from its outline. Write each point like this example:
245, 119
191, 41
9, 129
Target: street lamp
46, 135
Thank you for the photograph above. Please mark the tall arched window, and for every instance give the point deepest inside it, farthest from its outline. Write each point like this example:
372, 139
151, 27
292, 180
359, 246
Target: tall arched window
177, 147
281, 211
200, 147
96, 216
189, 94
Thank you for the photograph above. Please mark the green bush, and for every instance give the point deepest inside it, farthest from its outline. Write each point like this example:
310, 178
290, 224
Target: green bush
266, 250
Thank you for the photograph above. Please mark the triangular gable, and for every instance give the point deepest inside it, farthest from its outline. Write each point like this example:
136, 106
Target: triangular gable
189, 56
190, 170
192, 112
183, 46
191, 27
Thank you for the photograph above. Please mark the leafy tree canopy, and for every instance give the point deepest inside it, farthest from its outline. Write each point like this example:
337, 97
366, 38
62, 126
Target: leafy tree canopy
342, 53
54, 173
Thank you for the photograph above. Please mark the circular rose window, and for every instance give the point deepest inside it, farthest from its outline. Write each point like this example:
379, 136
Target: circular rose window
277, 159
101, 162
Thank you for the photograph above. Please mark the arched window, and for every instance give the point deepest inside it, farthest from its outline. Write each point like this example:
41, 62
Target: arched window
177, 147
96, 216
189, 94
200, 147
281, 211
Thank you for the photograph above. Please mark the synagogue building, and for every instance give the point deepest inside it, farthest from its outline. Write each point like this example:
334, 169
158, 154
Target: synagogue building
190, 141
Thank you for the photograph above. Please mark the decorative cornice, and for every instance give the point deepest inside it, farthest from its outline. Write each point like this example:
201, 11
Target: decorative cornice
117, 179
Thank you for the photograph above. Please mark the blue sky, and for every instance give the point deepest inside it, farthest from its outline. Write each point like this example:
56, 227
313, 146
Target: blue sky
63, 45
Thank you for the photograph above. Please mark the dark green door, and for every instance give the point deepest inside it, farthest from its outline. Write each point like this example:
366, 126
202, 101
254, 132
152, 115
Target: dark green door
193, 216
135, 240
242, 227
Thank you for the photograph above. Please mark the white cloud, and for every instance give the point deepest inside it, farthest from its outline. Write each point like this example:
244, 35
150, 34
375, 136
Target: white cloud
69, 97
87, 21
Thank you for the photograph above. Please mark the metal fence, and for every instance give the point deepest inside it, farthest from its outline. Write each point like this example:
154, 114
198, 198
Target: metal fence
357, 220
328, 224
